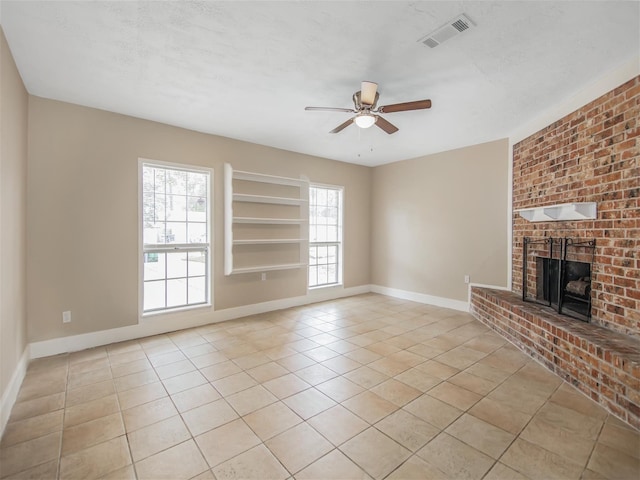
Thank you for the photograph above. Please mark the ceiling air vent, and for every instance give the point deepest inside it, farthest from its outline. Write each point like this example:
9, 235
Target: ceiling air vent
450, 30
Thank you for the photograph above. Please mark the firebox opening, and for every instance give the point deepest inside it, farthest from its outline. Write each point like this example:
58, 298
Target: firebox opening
573, 286
557, 272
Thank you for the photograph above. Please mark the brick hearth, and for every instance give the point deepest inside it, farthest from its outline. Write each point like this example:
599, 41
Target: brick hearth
605, 365
591, 155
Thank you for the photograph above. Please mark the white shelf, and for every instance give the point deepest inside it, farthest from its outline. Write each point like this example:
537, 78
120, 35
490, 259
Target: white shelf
267, 268
269, 221
263, 178
245, 197
268, 241
560, 212
271, 235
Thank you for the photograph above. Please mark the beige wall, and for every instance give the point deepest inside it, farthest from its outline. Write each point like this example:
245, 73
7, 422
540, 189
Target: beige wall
83, 214
440, 217
13, 187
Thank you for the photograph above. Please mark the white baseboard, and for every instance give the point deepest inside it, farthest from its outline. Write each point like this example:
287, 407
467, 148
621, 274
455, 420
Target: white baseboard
158, 324
11, 392
422, 298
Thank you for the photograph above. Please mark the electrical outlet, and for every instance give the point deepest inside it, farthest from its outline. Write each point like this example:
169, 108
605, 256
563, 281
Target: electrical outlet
467, 279
263, 276
66, 316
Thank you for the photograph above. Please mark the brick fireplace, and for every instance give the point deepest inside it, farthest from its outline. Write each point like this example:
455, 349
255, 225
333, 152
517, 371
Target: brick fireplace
591, 155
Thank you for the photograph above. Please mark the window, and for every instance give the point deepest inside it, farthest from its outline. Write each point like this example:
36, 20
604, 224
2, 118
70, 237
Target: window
175, 237
325, 236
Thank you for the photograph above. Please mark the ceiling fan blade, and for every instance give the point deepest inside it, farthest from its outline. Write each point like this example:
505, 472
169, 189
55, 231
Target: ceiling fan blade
368, 92
403, 107
342, 126
385, 125
330, 109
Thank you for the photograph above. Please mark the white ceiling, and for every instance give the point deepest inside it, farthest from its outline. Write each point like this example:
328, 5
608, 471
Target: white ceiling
247, 69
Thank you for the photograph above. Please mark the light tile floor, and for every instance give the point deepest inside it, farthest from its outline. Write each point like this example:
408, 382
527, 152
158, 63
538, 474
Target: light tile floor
358, 388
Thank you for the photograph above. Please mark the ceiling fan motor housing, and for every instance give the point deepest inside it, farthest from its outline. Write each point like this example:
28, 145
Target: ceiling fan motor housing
357, 101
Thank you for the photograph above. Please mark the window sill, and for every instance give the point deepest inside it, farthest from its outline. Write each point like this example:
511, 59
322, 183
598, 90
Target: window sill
325, 287
190, 308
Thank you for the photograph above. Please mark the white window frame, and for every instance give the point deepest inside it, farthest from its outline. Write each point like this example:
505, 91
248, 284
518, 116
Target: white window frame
339, 243
166, 248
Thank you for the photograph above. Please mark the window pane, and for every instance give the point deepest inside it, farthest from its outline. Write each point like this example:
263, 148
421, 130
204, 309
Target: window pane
162, 234
197, 290
154, 266
176, 232
159, 207
332, 215
321, 233
154, 295
332, 274
332, 198
176, 208
322, 254
160, 178
313, 276
176, 292
321, 196
148, 184
152, 233
332, 254
322, 215
176, 182
148, 210
176, 265
197, 233
322, 274
197, 209
332, 234
197, 184
197, 263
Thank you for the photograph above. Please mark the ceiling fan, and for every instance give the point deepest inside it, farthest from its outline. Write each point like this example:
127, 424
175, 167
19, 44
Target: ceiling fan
366, 109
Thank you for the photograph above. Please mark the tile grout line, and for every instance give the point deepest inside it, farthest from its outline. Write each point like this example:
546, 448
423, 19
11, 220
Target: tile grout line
595, 444
64, 416
516, 437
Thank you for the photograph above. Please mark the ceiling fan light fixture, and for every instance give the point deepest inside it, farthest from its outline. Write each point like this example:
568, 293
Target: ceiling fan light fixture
365, 120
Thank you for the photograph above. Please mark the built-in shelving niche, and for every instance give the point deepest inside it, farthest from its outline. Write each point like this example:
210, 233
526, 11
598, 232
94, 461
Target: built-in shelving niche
266, 222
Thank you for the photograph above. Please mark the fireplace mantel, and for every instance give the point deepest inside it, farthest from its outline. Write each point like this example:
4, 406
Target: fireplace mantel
560, 212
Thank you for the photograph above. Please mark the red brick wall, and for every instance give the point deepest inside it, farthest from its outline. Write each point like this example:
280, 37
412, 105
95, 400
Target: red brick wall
591, 155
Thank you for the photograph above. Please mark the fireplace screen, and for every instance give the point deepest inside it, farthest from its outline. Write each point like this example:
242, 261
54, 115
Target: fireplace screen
557, 273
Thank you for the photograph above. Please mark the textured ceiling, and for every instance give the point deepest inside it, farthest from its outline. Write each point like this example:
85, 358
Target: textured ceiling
246, 70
